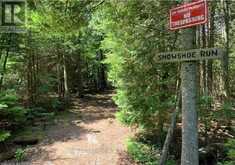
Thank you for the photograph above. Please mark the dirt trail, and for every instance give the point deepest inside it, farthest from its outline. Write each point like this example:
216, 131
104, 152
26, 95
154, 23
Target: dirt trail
88, 135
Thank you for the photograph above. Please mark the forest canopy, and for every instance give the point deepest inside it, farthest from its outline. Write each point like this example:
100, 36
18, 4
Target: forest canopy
72, 48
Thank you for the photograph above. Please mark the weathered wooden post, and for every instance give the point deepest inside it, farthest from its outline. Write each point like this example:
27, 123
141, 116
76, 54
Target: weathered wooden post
189, 155
189, 152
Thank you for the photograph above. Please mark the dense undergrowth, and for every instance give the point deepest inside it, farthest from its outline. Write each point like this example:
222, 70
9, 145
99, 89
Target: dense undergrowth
134, 32
15, 116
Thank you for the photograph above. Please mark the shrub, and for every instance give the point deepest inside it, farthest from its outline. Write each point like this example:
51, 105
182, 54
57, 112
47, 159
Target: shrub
142, 153
51, 103
20, 154
4, 135
10, 109
227, 110
230, 147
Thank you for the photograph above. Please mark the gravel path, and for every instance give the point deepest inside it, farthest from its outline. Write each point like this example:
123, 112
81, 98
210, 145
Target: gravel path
88, 135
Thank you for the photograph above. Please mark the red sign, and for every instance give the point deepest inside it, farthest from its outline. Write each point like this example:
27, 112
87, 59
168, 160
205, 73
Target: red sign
188, 15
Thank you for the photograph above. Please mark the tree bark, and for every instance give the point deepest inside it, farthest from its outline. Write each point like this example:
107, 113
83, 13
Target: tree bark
4, 69
66, 86
189, 155
204, 63
30, 70
225, 63
59, 77
211, 44
101, 78
79, 76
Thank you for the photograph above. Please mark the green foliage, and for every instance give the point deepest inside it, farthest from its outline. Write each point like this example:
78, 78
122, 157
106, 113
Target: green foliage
17, 114
205, 101
8, 98
226, 112
20, 154
4, 135
10, 109
205, 111
39, 112
226, 163
131, 40
2, 106
57, 104
125, 117
66, 37
29, 133
142, 153
227, 109
50, 104
230, 147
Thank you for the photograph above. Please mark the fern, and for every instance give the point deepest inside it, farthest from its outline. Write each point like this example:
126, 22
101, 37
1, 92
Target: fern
4, 135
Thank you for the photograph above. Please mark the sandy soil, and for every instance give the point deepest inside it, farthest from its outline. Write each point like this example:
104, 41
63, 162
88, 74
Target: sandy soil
88, 135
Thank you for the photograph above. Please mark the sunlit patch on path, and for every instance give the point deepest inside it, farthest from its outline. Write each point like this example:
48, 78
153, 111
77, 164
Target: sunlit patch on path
88, 135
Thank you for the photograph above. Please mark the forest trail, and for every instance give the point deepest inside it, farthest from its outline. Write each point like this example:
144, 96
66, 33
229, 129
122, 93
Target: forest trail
88, 135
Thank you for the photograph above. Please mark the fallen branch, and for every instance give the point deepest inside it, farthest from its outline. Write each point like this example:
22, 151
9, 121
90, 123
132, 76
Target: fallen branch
170, 132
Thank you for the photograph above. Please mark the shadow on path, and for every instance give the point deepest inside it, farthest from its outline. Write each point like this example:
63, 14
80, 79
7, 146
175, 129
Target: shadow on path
88, 133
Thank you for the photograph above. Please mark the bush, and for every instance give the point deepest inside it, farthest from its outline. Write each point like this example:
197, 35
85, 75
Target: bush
225, 114
124, 117
20, 154
230, 147
10, 109
227, 109
4, 135
142, 153
52, 104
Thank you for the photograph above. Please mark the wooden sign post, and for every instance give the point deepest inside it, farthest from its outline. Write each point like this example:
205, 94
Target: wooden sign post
189, 153
188, 15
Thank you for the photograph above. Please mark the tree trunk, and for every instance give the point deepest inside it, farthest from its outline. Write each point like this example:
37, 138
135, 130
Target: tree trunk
1, 53
34, 77
4, 69
204, 63
30, 70
79, 76
66, 86
211, 44
163, 98
101, 78
225, 63
189, 155
59, 78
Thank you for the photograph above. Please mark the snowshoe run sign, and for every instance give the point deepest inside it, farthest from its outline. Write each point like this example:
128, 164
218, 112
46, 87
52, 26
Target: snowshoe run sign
191, 55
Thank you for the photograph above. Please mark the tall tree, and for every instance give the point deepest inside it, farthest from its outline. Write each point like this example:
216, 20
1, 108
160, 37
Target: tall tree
225, 64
